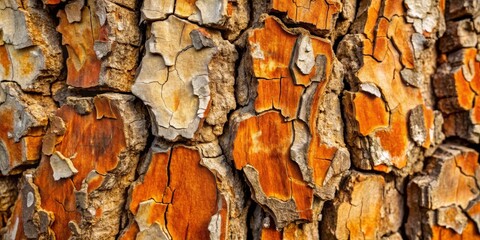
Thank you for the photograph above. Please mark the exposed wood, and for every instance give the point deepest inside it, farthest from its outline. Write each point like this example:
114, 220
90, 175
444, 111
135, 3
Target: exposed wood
368, 207
170, 200
239, 119
186, 84
279, 148
434, 211
388, 129
93, 146
30, 52
320, 15
23, 120
98, 44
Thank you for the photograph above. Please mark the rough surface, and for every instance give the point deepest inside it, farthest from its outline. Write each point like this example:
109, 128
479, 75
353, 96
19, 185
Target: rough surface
457, 82
181, 80
368, 207
434, 211
319, 16
8, 195
169, 201
102, 45
277, 138
30, 52
99, 160
23, 119
239, 119
390, 122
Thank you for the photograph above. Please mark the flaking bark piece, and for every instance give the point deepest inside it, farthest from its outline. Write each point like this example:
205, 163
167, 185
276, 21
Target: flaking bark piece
230, 16
86, 190
23, 119
283, 140
160, 201
30, 51
192, 80
102, 45
62, 166
368, 207
417, 129
384, 50
457, 85
433, 210
318, 16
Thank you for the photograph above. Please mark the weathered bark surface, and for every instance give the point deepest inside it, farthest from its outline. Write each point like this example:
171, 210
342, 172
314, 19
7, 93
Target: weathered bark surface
457, 81
237, 119
84, 171
24, 119
102, 39
356, 215
443, 201
30, 51
389, 122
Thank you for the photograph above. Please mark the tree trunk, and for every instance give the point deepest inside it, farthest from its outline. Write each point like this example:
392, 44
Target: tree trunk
239, 119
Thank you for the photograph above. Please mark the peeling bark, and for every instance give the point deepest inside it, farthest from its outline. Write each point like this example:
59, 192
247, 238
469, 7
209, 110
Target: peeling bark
389, 126
368, 207
30, 52
238, 119
278, 144
435, 212
169, 197
24, 118
99, 43
101, 158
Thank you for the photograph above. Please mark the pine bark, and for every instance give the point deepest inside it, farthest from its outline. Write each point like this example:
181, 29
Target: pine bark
239, 119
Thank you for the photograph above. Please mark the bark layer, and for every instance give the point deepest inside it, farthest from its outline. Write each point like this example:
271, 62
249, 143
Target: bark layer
280, 119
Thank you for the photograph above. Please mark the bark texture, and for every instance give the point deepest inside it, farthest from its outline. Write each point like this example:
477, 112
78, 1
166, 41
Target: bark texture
239, 119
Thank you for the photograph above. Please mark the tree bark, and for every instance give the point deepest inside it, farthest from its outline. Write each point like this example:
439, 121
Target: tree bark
237, 119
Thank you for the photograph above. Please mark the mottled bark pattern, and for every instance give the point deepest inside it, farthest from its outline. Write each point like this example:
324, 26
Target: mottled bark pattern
239, 119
